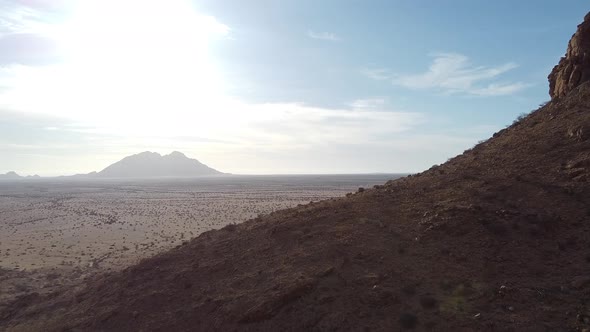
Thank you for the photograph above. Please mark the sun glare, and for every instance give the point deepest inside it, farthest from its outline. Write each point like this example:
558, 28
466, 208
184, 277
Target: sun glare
132, 63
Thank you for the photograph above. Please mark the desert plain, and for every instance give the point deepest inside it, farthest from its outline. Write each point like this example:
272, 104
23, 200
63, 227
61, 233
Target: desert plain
57, 233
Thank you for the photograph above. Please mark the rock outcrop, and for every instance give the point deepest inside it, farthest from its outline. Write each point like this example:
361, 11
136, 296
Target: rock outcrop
574, 68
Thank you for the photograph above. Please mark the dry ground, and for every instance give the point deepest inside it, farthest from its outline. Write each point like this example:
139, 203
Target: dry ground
59, 233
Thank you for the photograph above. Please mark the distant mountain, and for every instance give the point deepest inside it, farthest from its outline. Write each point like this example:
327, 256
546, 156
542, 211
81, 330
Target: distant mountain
10, 176
152, 164
79, 176
15, 176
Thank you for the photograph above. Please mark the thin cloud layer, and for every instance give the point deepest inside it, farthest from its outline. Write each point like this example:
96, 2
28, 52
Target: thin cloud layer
378, 74
26, 34
453, 73
16, 18
329, 36
369, 104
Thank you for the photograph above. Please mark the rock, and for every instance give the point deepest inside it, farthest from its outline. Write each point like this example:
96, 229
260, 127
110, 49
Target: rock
574, 68
578, 133
580, 281
502, 290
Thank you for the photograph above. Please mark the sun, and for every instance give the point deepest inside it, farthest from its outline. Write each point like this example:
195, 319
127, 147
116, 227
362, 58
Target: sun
132, 59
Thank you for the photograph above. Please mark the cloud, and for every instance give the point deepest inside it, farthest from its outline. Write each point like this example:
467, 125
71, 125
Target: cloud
497, 89
378, 74
287, 125
369, 104
329, 36
453, 73
157, 110
27, 35
17, 18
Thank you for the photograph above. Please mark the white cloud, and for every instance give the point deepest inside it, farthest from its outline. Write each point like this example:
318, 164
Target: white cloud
378, 74
18, 18
500, 89
288, 125
329, 36
369, 104
454, 73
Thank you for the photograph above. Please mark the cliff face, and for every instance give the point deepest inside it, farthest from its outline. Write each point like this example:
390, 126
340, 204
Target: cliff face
574, 68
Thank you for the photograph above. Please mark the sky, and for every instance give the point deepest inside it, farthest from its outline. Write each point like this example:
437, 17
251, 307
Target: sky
269, 86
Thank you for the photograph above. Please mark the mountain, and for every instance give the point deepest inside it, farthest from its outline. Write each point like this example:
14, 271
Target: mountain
80, 176
152, 164
495, 239
15, 176
10, 176
141, 165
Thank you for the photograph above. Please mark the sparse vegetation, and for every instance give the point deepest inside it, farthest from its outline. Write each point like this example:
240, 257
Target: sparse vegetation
519, 119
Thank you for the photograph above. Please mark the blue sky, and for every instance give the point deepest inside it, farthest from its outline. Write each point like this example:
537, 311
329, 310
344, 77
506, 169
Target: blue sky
260, 87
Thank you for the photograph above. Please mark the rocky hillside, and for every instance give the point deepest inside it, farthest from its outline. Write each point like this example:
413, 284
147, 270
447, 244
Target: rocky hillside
496, 239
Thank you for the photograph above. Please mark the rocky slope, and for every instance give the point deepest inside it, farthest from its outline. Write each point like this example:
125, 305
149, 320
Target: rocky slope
496, 239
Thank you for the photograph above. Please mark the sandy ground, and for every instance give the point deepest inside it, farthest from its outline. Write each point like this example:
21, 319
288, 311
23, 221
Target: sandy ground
59, 233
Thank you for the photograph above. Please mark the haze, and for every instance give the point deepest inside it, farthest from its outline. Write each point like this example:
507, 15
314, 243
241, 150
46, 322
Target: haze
267, 87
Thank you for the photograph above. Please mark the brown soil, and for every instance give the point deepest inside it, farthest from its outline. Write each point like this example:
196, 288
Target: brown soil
56, 234
496, 239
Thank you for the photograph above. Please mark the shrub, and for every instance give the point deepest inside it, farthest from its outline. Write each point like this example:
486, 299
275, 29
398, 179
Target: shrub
519, 119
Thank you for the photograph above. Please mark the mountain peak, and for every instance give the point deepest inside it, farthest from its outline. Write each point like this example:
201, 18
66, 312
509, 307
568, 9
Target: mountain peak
574, 68
177, 154
152, 164
11, 176
147, 153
